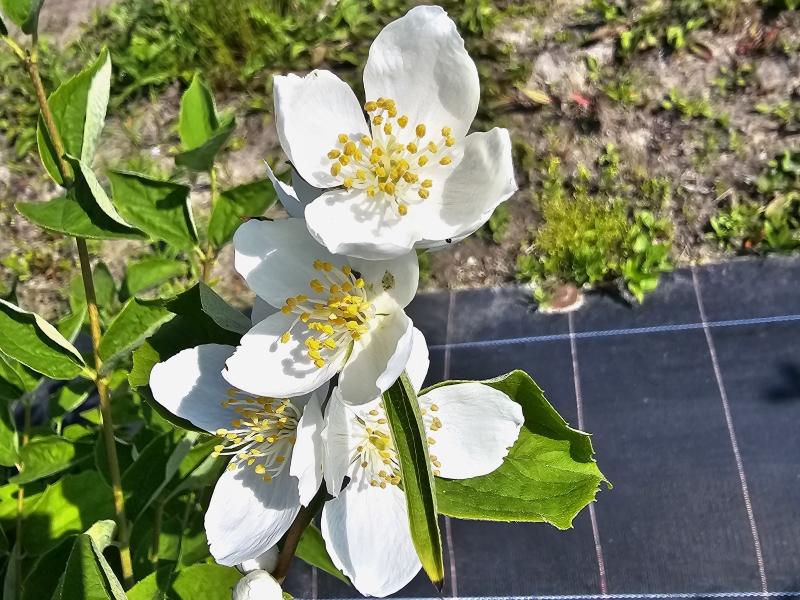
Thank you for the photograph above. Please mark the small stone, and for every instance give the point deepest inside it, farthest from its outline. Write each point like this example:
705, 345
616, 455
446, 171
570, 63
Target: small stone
771, 74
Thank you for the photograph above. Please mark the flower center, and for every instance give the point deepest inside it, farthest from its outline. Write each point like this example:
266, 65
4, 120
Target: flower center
337, 316
376, 453
261, 437
390, 164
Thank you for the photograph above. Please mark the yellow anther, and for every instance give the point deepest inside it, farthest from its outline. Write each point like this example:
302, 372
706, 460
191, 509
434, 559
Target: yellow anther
336, 168
285, 337
402, 121
432, 147
450, 142
380, 172
344, 159
260, 469
372, 192
361, 174
348, 182
342, 138
333, 154
445, 160
350, 148
426, 183
423, 160
319, 363
412, 147
420, 130
387, 129
377, 120
371, 106
402, 208
221, 432
359, 283
446, 132
423, 193
366, 140
434, 407
388, 187
286, 310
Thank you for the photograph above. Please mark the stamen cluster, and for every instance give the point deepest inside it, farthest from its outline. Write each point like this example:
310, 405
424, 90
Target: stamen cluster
390, 164
261, 437
339, 316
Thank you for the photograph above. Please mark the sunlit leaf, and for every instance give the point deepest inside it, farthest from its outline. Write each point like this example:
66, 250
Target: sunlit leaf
23, 13
236, 205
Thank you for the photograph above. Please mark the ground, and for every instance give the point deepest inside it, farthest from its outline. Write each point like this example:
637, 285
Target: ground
681, 115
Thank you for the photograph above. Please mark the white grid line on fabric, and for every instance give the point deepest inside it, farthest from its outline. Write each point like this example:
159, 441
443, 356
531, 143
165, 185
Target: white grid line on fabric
731, 433
448, 526
675, 596
314, 583
598, 547
616, 332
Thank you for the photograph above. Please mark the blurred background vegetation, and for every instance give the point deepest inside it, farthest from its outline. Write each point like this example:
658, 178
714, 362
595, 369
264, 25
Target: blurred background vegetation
647, 134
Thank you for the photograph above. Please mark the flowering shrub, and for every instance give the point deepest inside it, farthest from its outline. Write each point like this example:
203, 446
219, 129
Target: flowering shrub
219, 440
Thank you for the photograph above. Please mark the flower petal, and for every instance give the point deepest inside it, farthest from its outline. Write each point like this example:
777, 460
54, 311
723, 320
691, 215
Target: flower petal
310, 112
398, 277
257, 585
367, 535
293, 197
420, 62
247, 515
378, 359
418, 361
264, 562
466, 199
479, 424
265, 366
261, 310
347, 222
190, 385
339, 441
306, 463
276, 258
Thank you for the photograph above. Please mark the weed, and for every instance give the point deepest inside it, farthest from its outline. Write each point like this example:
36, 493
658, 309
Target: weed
786, 113
497, 225
733, 79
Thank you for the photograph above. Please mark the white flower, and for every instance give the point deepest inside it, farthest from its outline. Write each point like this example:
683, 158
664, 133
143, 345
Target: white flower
295, 197
274, 445
470, 427
267, 561
411, 177
337, 315
257, 585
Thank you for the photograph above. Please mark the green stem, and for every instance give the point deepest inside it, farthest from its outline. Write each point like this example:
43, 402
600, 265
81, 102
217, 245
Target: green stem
209, 256
15, 48
123, 540
292, 538
23, 439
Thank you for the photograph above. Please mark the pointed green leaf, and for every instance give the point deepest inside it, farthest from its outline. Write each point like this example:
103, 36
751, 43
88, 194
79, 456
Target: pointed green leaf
11, 385
87, 183
88, 575
42, 457
549, 475
8, 438
79, 110
29, 339
149, 273
235, 206
198, 117
311, 549
202, 157
77, 215
159, 208
137, 321
408, 434
68, 506
206, 581
43, 578
23, 13
105, 288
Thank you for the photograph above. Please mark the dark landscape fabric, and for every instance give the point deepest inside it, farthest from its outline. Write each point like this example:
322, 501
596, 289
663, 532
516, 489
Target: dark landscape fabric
693, 400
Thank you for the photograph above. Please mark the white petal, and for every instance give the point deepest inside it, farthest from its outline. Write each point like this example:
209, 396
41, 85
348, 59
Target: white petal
304, 190
377, 360
247, 515
265, 366
261, 310
468, 196
258, 585
419, 61
276, 258
286, 195
398, 278
307, 454
339, 441
346, 222
264, 562
479, 426
190, 385
367, 535
418, 361
310, 112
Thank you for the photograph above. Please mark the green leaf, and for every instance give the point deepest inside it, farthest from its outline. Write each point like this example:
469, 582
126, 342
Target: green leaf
202, 157
79, 110
236, 205
137, 321
105, 288
312, 550
88, 575
23, 13
42, 457
206, 581
202, 317
408, 434
548, 476
67, 507
75, 214
29, 339
43, 578
3, 29
18, 374
159, 208
8, 438
198, 117
149, 273
11, 385
70, 324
